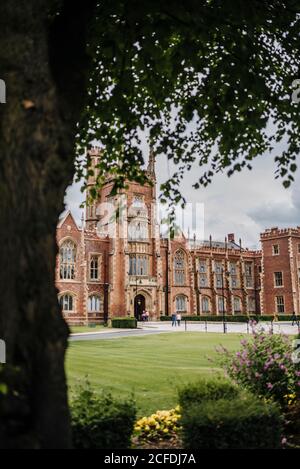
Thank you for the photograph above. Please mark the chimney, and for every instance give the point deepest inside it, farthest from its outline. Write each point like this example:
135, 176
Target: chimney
231, 238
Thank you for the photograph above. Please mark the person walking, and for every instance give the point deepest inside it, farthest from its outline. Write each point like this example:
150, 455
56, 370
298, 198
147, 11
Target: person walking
178, 319
174, 320
294, 318
147, 315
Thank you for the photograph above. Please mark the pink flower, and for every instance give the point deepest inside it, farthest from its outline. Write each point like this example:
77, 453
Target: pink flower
270, 386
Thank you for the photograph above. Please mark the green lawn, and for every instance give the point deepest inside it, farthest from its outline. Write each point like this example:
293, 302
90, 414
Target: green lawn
79, 329
151, 367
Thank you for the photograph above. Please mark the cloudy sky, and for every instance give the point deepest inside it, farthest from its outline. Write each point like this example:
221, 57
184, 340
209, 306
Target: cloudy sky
244, 204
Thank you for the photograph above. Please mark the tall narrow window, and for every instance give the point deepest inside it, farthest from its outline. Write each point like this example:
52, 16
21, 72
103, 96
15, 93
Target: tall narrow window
138, 265
94, 304
66, 303
181, 303
237, 305
221, 304
278, 279
280, 304
94, 268
205, 305
67, 254
179, 268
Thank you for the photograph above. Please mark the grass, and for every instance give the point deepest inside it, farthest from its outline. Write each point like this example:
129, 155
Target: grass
80, 329
151, 367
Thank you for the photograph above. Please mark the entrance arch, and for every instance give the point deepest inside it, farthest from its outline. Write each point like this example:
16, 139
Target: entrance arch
139, 306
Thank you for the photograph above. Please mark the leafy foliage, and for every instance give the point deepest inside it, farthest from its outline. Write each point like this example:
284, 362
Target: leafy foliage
246, 423
203, 390
208, 81
124, 322
265, 366
101, 422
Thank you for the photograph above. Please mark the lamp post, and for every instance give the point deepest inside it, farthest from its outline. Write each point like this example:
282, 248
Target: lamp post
105, 305
136, 303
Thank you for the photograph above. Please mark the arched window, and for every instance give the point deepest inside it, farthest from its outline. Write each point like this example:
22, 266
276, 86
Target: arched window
66, 302
251, 304
237, 305
221, 304
94, 268
205, 304
94, 304
179, 268
67, 253
138, 265
181, 303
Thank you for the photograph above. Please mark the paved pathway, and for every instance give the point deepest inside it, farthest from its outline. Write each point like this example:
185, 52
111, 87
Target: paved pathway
165, 327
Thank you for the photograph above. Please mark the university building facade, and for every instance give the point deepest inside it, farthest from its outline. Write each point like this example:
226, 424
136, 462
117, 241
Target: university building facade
121, 266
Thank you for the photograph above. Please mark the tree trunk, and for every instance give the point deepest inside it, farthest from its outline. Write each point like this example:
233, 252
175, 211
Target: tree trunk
44, 64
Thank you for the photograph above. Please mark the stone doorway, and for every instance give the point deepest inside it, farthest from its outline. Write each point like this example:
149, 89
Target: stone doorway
139, 306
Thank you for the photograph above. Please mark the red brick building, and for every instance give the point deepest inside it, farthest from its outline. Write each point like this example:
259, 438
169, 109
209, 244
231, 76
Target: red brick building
122, 266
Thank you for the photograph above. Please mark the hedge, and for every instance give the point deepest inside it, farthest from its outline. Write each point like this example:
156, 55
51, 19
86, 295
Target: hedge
246, 423
101, 422
203, 390
124, 323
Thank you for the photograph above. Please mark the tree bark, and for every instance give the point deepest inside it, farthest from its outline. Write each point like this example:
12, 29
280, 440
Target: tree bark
44, 64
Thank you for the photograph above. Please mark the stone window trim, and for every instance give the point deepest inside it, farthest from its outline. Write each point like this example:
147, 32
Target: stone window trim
280, 304
278, 280
98, 295
181, 303
179, 266
205, 299
275, 250
74, 296
67, 263
90, 256
237, 301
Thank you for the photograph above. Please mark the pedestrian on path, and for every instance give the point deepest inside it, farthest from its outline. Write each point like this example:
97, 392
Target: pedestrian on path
178, 318
174, 319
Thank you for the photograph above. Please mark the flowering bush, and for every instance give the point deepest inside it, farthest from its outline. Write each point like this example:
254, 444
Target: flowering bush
162, 424
265, 366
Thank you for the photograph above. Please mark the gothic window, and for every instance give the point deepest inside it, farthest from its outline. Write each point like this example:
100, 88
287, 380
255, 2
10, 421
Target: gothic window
221, 304
138, 265
67, 254
237, 305
202, 267
251, 304
179, 268
205, 305
249, 274
181, 303
94, 268
67, 302
138, 230
94, 304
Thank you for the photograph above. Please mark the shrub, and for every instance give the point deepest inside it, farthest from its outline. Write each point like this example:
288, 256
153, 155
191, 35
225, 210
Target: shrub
236, 423
124, 323
202, 390
265, 366
101, 422
158, 426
